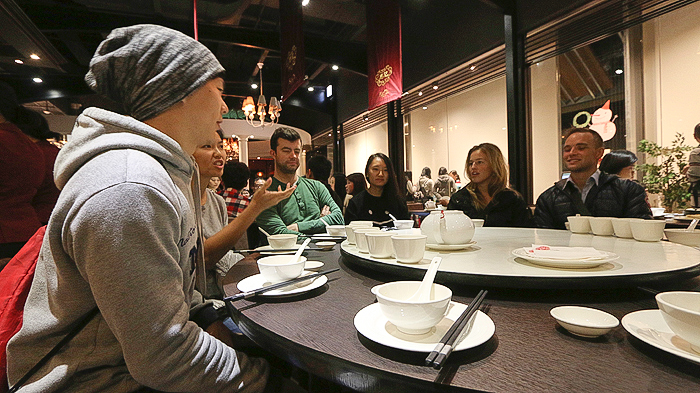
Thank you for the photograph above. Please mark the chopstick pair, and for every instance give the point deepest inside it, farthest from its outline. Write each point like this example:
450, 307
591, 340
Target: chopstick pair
444, 348
279, 250
259, 291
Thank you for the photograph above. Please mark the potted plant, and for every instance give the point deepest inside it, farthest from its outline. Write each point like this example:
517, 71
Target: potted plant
663, 172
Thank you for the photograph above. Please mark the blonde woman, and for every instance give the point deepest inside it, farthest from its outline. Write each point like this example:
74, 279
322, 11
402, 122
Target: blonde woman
487, 195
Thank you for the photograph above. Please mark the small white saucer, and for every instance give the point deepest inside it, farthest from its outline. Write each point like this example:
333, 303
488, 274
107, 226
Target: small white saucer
650, 327
268, 250
313, 265
371, 323
584, 321
325, 245
257, 281
451, 247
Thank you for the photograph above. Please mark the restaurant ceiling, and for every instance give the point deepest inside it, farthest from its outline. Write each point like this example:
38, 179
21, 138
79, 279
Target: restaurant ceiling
437, 36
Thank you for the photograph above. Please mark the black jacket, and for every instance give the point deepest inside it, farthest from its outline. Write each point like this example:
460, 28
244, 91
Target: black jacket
364, 206
612, 197
506, 209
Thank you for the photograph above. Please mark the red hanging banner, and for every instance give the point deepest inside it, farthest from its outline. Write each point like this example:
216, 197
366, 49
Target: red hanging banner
292, 45
384, 71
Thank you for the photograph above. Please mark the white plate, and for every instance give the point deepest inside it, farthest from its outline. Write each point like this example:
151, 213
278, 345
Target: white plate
650, 327
371, 323
257, 281
313, 265
564, 263
268, 250
451, 247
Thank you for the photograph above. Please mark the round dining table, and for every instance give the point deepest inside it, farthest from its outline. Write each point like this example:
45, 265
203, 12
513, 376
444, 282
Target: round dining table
529, 351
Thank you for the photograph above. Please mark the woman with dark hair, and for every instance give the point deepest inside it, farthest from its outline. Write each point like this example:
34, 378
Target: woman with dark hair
355, 184
338, 182
381, 198
487, 195
619, 162
426, 185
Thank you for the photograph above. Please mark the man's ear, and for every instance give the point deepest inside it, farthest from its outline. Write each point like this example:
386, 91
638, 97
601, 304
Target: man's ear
309, 174
273, 153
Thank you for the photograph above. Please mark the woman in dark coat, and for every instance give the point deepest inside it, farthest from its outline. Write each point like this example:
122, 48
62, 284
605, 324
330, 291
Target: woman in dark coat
488, 196
381, 198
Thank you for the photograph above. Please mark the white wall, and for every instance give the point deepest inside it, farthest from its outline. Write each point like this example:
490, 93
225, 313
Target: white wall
360, 146
546, 134
672, 75
443, 134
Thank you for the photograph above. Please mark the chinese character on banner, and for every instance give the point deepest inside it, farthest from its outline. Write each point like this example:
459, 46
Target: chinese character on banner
292, 45
384, 70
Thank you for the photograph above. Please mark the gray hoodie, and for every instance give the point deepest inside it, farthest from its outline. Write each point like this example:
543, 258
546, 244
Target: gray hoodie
123, 237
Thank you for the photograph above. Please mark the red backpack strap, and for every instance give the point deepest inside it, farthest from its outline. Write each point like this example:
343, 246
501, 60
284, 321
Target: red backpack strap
15, 282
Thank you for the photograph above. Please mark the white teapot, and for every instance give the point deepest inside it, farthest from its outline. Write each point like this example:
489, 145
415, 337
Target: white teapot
430, 227
455, 227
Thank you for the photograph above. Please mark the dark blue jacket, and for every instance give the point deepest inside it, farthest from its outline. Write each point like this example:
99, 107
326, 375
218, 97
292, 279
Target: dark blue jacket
612, 197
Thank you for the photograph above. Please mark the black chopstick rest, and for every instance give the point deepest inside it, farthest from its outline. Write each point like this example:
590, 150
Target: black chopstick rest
444, 348
259, 291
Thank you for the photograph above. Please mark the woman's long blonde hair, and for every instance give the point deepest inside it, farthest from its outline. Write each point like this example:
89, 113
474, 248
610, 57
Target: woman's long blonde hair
499, 176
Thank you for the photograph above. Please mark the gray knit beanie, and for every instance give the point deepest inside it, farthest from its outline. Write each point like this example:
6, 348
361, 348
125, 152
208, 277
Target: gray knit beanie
149, 68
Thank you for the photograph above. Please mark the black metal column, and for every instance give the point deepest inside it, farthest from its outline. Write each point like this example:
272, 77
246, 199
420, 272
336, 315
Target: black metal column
336, 143
519, 134
396, 138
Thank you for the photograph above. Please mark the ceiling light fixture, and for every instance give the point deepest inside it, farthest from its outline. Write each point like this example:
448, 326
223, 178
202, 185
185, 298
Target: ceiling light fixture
37, 80
253, 85
420, 93
18, 61
273, 109
425, 107
334, 67
618, 71
304, 3
310, 88
435, 87
472, 68
35, 56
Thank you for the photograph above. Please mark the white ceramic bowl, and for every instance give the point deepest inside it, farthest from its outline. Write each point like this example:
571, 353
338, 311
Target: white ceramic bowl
409, 248
278, 268
657, 211
361, 239
412, 317
282, 240
579, 224
336, 230
584, 321
379, 244
478, 222
403, 224
647, 230
691, 239
325, 245
362, 224
601, 226
622, 228
681, 311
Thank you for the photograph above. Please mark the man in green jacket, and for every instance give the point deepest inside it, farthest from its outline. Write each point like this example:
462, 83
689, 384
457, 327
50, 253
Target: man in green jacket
301, 213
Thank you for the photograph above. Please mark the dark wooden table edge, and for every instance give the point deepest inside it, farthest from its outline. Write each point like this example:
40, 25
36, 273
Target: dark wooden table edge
494, 281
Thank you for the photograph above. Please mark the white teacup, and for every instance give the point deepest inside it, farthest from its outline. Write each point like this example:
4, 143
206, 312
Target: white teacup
409, 248
335, 230
278, 268
579, 224
379, 244
622, 228
478, 222
647, 230
361, 239
403, 224
282, 240
601, 226
412, 317
657, 211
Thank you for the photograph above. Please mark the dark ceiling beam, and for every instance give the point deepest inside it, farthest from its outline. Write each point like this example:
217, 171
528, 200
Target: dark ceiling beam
350, 56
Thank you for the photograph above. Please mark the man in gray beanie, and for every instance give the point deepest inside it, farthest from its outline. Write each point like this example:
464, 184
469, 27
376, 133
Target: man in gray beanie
123, 235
